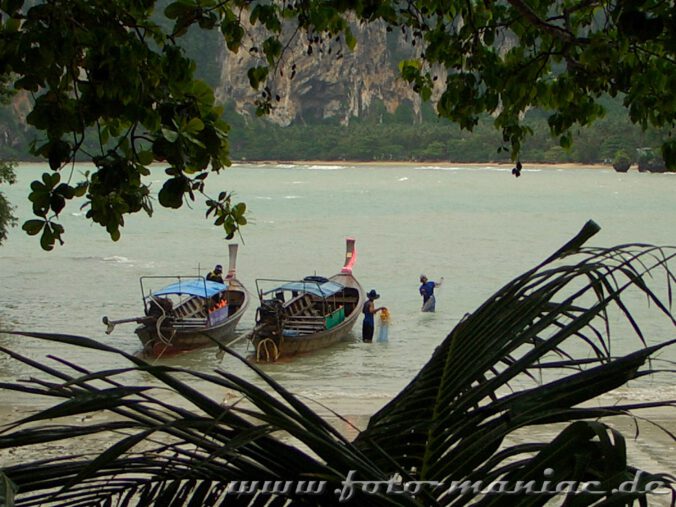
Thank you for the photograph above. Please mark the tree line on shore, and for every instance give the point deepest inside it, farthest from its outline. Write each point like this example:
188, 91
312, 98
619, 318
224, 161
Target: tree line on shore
401, 136
381, 136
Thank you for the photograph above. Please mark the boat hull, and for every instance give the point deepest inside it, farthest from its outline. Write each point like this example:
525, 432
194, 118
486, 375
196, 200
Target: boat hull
186, 340
170, 339
292, 345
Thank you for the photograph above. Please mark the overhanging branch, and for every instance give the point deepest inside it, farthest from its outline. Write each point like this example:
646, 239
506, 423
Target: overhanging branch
534, 19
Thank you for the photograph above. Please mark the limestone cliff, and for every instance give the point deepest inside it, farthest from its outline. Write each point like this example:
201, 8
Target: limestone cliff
331, 83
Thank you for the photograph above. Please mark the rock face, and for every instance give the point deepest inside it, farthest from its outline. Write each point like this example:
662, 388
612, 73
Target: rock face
331, 83
13, 128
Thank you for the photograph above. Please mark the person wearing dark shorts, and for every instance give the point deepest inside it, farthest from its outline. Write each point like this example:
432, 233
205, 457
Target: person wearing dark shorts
369, 310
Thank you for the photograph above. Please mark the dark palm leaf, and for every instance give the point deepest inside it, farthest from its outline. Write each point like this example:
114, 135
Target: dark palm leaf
450, 425
451, 420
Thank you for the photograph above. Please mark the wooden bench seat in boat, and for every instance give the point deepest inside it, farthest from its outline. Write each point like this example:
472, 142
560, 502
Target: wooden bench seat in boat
304, 324
343, 299
190, 322
192, 307
301, 305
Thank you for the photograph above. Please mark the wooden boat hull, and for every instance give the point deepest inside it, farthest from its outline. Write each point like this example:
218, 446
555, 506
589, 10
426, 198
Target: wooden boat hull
191, 312
186, 340
292, 345
172, 340
286, 346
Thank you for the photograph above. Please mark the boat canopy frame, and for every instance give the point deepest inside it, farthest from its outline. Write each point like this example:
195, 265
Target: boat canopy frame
323, 290
186, 285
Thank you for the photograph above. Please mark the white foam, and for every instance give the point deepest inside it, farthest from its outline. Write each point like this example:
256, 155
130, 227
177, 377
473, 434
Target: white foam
437, 168
117, 258
326, 167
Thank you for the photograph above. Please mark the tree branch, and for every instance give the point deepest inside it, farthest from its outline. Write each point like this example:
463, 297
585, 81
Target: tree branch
533, 18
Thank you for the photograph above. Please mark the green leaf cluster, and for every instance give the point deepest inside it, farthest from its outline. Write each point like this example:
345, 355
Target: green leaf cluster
106, 71
110, 78
7, 218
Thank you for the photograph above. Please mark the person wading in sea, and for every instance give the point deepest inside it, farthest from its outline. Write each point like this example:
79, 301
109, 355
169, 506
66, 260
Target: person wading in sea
427, 292
369, 311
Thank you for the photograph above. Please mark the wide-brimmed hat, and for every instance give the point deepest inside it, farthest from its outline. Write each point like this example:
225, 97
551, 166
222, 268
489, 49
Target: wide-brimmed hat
373, 294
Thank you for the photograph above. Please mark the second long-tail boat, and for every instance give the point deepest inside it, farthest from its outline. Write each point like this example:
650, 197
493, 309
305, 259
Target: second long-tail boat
308, 314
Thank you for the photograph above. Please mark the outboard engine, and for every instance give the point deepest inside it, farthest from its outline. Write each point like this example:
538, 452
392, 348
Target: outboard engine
269, 312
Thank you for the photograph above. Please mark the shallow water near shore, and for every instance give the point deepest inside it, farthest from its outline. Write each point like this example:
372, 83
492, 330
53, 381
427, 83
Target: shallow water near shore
478, 227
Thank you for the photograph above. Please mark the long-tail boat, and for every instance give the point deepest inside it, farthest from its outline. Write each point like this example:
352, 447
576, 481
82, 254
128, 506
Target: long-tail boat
189, 313
308, 314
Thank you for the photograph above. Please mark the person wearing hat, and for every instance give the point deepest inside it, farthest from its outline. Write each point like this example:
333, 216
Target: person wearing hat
427, 292
369, 311
216, 275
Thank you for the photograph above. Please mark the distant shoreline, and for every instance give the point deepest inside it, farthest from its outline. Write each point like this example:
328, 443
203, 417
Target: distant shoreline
381, 163
389, 163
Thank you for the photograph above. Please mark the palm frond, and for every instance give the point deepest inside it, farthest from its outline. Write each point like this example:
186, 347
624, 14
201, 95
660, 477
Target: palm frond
535, 353
452, 418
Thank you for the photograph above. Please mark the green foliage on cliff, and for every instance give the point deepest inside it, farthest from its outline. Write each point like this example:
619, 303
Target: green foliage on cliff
402, 136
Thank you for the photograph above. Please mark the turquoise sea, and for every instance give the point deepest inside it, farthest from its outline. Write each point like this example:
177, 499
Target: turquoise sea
478, 227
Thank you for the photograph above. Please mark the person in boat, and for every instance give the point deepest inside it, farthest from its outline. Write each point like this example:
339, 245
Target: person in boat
216, 275
427, 292
369, 310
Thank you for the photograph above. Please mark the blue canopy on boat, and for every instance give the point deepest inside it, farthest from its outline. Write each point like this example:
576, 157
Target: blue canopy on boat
321, 290
196, 287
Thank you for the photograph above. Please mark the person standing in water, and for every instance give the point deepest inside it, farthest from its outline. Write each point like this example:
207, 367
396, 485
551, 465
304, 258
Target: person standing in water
427, 292
369, 310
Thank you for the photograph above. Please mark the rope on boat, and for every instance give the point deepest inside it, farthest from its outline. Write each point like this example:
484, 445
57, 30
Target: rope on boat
158, 324
263, 345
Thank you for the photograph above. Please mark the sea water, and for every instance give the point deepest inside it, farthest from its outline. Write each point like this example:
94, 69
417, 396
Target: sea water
478, 227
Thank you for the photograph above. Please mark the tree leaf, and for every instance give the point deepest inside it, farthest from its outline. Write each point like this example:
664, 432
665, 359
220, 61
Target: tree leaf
170, 135
33, 227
